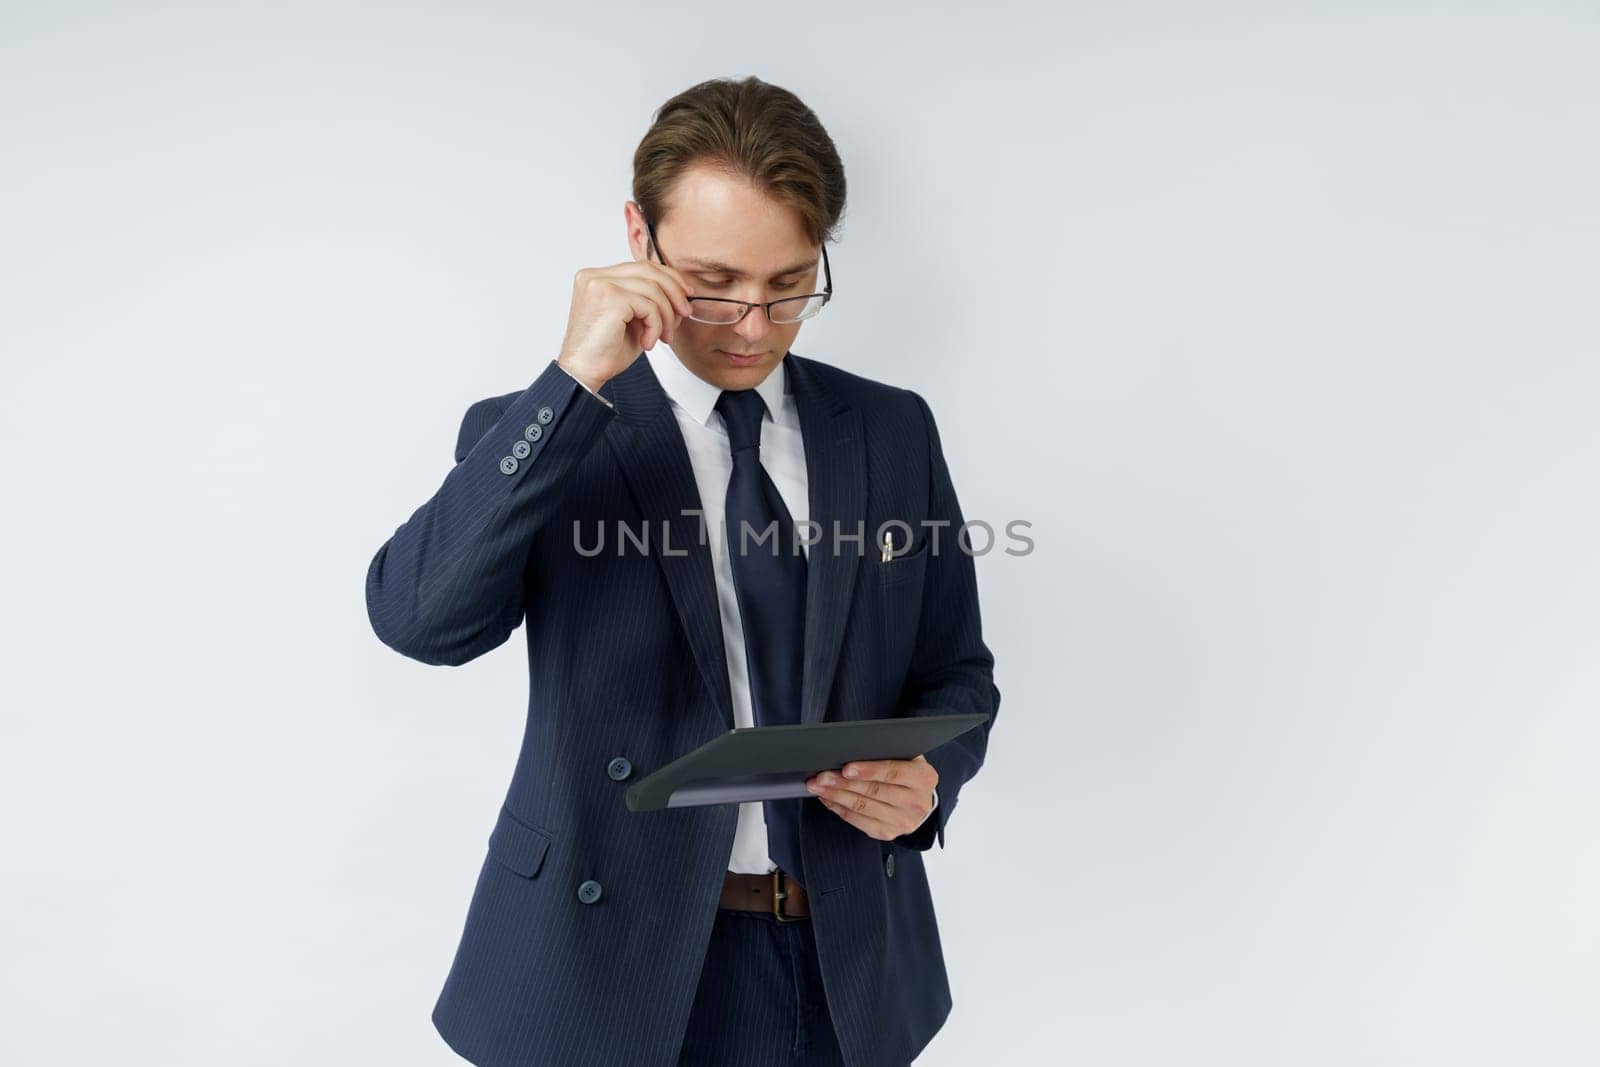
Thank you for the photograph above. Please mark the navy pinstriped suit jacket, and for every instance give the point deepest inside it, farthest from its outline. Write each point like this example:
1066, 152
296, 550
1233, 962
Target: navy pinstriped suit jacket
625, 659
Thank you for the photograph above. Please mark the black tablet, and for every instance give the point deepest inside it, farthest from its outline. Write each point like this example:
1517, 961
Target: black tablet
771, 762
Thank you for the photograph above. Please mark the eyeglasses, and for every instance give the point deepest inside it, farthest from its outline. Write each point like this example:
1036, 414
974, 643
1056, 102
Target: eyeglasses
720, 311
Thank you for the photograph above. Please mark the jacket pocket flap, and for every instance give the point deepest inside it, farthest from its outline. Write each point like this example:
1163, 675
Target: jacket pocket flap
517, 845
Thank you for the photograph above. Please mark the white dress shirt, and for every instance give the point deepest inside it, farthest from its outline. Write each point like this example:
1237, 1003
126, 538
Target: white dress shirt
783, 455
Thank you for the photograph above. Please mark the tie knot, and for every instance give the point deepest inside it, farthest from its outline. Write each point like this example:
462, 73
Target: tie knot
741, 411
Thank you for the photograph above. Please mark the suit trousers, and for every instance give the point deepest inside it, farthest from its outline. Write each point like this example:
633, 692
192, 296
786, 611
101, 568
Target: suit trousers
760, 1001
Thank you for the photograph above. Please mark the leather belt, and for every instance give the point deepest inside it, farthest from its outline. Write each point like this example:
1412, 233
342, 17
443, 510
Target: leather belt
776, 894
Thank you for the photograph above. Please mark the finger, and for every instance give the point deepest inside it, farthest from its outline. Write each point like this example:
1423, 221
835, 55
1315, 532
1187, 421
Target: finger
670, 313
648, 316
684, 285
664, 292
903, 794
684, 282
889, 803
645, 313
863, 821
672, 283
881, 770
906, 772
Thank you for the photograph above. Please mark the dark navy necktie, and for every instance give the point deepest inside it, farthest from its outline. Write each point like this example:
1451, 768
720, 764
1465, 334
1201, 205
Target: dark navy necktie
769, 577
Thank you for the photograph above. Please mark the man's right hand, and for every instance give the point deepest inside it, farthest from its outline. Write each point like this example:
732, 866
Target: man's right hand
618, 311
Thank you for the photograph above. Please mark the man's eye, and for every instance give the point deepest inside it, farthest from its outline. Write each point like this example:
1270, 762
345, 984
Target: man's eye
716, 284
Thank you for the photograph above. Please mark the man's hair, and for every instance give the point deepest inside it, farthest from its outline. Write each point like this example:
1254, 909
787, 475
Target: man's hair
751, 129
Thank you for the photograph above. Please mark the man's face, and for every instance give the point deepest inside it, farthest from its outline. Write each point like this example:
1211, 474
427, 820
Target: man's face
732, 241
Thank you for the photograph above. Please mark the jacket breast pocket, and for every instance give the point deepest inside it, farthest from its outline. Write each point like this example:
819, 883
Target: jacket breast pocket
517, 845
899, 582
908, 567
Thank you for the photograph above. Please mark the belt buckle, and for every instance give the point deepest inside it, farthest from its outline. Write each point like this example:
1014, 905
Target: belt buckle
778, 896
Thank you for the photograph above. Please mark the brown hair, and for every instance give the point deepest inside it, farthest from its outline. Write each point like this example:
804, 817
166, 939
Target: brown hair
752, 129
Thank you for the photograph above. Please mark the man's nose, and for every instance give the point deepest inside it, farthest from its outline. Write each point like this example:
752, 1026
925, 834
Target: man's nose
754, 326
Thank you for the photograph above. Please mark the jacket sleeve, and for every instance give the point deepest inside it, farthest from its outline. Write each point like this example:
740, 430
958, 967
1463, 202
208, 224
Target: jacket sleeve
952, 670
447, 585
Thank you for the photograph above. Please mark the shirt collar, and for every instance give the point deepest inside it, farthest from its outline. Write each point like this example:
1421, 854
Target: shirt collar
699, 397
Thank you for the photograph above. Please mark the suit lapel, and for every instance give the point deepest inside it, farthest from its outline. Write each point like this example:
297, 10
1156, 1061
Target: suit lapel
650, 450
649, 447
836, 487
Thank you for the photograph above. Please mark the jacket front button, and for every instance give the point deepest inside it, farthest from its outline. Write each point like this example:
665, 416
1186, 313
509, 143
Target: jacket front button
589, 891
619, 768
888, 865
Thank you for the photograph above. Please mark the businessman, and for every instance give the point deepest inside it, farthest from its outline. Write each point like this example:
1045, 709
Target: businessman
703, 533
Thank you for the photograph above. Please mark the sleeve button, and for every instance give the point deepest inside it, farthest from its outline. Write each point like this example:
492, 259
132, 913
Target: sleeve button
508, 465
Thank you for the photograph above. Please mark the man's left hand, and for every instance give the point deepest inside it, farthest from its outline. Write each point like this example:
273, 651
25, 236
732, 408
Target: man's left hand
882, 798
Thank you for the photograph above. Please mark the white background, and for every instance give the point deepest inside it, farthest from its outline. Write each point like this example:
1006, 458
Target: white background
1278, 322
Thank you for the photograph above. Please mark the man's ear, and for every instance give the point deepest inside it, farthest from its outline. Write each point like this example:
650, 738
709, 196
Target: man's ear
638, 235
